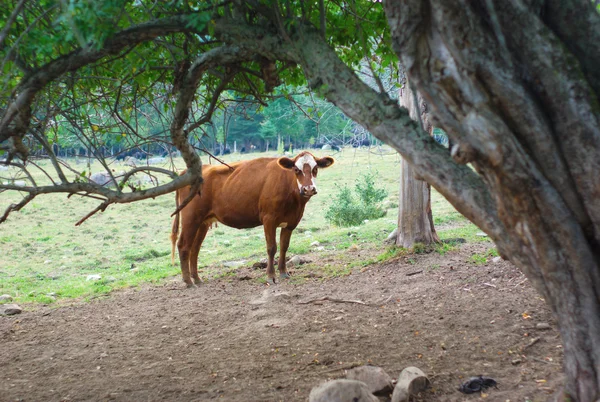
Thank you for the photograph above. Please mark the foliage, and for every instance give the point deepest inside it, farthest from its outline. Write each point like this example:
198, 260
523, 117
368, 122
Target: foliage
352, 209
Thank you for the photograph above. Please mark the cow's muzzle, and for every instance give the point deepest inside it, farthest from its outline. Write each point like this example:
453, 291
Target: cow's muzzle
308, 191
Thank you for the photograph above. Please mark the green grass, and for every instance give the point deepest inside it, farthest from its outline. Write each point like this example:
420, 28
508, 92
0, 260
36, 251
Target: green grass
44, 257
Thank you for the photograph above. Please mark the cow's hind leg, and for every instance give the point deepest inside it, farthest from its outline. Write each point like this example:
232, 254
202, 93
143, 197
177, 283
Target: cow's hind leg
270, 237
195, 251
185, 246
284, 243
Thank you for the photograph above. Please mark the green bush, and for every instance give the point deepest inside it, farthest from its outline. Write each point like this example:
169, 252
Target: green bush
351, 209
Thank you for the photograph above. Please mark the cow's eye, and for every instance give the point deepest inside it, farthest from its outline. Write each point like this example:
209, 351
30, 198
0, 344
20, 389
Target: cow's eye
296, 170
315, 171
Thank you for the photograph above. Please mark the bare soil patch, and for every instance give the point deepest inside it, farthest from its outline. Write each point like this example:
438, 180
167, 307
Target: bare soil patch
235, 339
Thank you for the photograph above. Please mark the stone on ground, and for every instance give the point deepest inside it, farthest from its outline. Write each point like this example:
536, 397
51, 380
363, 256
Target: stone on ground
6, 298
297, 260
410, 382
342, 391
378, 381
10, 309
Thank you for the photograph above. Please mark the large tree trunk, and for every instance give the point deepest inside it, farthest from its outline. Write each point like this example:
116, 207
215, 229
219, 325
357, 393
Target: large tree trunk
519, 96
415, 220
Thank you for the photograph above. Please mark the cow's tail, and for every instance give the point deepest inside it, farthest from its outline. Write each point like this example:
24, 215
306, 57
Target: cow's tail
175, 229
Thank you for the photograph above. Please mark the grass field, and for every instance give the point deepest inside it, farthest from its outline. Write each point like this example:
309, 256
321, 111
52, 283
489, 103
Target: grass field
45, 258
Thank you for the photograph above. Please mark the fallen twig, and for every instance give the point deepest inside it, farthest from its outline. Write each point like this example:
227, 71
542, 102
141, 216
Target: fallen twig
414, 273
489, 284
523, 281
331, 299
344, 367
543, 361
531, 343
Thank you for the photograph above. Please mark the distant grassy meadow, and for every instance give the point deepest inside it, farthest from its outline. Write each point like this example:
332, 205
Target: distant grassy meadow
45, 258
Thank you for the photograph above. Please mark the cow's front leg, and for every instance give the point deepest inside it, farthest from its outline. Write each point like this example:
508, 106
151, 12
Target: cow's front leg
270, 233
284, 243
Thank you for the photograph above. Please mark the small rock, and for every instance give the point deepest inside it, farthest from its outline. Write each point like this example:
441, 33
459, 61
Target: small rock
496, 260
102, 178
227, 243
342, 391
320, 248
378, 381
542, 325
308, 233
94, 277
51, 294
481, 234
295, 260
10, 309
366, 221
315, 244
5, 298
411, 381
516, 361
47, 261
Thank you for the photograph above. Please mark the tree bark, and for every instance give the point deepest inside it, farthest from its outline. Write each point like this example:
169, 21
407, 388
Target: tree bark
415, 220
519, 100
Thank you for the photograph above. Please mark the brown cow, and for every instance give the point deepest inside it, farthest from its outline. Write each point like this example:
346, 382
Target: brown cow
271, 192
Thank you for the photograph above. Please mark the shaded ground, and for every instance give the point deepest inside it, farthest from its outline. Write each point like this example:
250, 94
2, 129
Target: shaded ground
238, 340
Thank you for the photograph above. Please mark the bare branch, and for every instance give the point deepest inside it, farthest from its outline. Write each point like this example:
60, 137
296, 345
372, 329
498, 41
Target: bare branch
16, 207
213, 103
100, 207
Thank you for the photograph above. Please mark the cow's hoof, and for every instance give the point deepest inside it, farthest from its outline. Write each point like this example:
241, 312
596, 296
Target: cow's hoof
197, 281
284, 275
189, 285
271, 281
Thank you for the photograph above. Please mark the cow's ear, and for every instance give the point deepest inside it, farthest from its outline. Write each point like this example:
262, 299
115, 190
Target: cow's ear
285, 162
325, 162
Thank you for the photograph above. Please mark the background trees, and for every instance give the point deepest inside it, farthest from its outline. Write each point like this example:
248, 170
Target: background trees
515, 85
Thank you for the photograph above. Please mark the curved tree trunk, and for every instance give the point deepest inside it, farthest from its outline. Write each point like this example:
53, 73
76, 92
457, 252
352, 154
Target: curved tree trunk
512, 83
415, 220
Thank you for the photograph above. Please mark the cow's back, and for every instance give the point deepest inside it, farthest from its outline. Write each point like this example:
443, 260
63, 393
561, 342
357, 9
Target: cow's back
243, 196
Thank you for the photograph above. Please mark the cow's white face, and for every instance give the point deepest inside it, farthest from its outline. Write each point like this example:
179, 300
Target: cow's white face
305, 167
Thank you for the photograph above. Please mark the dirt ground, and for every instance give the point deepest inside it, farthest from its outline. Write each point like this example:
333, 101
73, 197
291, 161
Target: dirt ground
237, 340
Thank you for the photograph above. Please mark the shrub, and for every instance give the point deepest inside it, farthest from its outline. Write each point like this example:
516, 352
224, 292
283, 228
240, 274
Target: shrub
350, 209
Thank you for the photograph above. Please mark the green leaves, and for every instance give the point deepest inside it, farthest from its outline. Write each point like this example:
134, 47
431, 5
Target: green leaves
198, 21
352, 209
